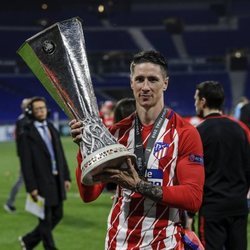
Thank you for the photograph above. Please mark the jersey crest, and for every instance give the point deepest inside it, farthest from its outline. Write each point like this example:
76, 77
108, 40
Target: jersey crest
160, 150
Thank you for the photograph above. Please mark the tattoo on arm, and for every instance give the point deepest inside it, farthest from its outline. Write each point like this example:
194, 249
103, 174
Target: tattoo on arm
149, 190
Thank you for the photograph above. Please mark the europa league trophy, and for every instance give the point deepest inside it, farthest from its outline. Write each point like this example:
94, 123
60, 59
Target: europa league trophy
58, 58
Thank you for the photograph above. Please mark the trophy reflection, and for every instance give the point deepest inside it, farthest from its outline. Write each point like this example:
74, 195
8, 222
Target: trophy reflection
57, 57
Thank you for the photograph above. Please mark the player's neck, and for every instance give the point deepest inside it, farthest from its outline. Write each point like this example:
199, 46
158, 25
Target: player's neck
211, 111
149, 116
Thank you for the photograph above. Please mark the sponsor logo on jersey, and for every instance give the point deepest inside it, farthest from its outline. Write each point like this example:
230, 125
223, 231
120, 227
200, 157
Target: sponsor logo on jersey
196, 158
160, 150
155, 176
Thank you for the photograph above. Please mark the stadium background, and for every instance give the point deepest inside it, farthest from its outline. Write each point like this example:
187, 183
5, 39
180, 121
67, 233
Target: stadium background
202, 39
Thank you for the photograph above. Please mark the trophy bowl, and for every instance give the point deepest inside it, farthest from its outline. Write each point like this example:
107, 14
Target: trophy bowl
112, 156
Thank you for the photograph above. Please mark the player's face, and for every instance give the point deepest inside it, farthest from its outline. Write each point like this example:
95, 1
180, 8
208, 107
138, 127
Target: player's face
39, 110
148, 83
199, 104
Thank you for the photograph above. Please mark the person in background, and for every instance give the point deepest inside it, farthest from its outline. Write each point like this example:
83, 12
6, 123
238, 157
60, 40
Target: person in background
122, 109
237, 110
168, 176
223, 214
45, 172
245, 114
107, 113
245, 118
22, 120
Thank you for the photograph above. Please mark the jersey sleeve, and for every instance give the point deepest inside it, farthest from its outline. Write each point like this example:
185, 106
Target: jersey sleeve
188, 191
87, 193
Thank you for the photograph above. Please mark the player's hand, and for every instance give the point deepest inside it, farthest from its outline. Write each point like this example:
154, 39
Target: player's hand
76, 128
125, 176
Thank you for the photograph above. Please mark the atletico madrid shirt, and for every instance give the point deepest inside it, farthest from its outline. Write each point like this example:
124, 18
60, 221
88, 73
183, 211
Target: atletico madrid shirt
175, 164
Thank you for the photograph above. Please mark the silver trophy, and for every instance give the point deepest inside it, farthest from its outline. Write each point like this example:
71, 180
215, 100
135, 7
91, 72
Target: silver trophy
57, 57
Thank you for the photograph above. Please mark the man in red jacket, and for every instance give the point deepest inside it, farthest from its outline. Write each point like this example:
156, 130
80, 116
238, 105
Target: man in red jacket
168, 176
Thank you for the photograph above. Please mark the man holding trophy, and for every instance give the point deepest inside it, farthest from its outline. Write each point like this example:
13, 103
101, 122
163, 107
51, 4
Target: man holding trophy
154, 156
168, 175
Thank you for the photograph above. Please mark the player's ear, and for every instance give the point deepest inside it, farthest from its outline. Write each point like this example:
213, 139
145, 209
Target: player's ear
131, 84
165, 84
203, 101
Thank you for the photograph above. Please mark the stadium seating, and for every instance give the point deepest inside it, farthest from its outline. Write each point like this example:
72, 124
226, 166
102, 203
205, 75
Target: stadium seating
180, 93
109, 40
14, 89
161, 41
207, 38
214, 43
11, 40
145, 18
247, 89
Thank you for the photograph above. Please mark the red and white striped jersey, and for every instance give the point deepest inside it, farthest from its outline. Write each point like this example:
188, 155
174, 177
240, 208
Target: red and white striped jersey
175, 163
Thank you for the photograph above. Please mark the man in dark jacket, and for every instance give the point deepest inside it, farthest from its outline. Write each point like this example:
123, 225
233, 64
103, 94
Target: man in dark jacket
45, 172
223, 214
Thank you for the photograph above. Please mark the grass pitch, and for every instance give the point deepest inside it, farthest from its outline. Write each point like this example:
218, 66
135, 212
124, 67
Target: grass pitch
83, 226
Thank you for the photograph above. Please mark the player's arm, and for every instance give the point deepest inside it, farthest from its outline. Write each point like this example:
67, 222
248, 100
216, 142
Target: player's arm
188, 192
147, 189
186, 195
87, 193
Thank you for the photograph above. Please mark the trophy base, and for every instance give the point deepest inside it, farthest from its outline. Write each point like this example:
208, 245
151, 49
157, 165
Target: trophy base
110, 156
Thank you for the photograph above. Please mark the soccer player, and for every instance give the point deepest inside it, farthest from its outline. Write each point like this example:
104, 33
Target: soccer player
168, 176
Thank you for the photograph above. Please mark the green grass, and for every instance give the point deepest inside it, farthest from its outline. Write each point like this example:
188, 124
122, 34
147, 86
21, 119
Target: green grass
83, 225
